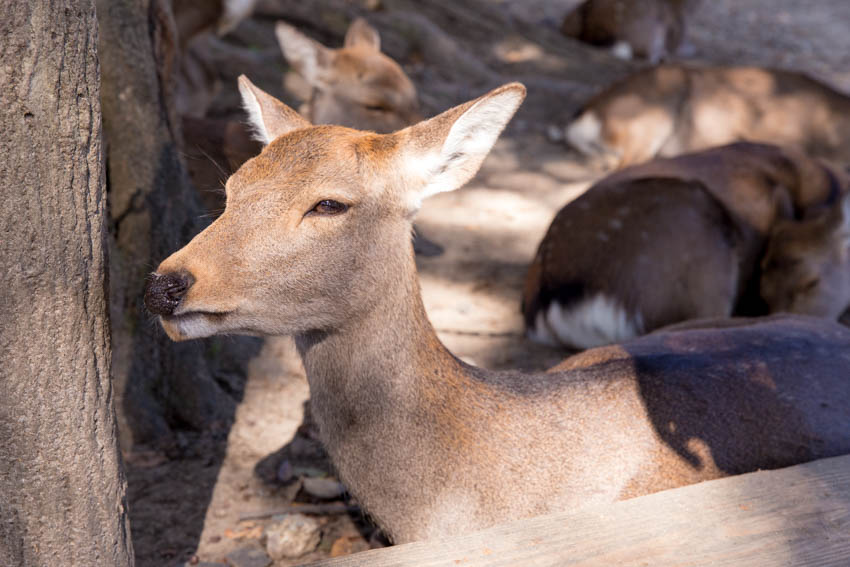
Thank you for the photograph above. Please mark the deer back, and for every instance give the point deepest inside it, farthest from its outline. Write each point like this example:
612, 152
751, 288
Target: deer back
673, 109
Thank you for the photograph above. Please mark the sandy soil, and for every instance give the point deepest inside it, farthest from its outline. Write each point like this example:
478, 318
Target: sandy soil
192, 505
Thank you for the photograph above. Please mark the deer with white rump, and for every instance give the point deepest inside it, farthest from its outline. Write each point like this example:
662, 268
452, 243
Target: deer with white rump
315, 243
669, 240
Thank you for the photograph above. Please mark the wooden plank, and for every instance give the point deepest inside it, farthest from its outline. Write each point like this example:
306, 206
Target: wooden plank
798, 516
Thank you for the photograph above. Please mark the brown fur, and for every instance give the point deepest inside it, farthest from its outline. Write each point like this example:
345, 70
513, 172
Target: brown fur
681, 238
356, 85
673, 109
653, 29
806, 268
359, 88
661, 249
196, 22
429, 445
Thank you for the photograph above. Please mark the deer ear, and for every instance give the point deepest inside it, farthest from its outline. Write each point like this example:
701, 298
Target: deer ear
267, 116
443, 153
360, 33
307, 56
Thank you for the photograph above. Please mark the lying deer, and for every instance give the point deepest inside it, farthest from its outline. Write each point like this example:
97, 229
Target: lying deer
666, 241
355, 86
315, 243
806, 268
213, 148
673, 109
650, 29
198, 82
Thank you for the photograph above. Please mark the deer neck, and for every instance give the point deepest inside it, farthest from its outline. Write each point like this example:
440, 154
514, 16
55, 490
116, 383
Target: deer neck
383, 390
379, 369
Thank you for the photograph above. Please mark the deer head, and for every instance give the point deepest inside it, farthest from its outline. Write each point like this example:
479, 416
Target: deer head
356, 85
319, 220
806, 268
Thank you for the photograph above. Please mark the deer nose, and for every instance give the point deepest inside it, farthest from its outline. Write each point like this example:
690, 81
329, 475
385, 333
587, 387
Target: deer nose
163, 292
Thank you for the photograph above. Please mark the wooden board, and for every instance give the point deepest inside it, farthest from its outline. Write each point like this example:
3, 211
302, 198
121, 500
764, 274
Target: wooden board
798, 516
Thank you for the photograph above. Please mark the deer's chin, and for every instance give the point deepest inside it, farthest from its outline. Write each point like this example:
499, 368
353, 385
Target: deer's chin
193, 325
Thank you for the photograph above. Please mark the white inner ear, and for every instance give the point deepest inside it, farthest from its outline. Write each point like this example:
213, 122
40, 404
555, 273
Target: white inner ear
301, 52
255, 115
469, 141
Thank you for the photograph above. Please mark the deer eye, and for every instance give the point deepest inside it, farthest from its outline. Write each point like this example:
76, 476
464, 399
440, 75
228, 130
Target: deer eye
328, 207
377, 108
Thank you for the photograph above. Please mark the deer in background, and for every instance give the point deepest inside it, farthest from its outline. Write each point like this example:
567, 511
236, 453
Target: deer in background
315, 243
213, 148
197, 20
806, 268
356, 85
673, 109
650, 29
668, 240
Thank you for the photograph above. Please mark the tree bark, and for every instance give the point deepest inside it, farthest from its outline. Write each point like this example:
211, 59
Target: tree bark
62, 492
153, 211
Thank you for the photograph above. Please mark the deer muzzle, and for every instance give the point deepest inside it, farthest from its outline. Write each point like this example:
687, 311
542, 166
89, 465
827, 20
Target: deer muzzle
163, 292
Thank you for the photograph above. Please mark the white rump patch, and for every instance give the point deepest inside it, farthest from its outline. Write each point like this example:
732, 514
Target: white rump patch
585, 133
590, 323
623, 50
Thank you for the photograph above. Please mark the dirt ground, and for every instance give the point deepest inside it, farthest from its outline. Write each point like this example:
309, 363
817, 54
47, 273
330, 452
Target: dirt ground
195, 504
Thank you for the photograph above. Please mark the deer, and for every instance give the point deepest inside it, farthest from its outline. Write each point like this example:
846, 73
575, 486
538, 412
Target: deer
650, 29
195, 21
213, 148
669, 240
195, 17
672, 109
356, 85
314, 243
806, 268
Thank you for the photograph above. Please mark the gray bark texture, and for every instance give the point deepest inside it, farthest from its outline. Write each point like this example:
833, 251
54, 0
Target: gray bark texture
153, 211
62, 492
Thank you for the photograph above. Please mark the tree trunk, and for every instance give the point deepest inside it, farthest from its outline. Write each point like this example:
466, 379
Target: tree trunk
62, 492
153, 211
